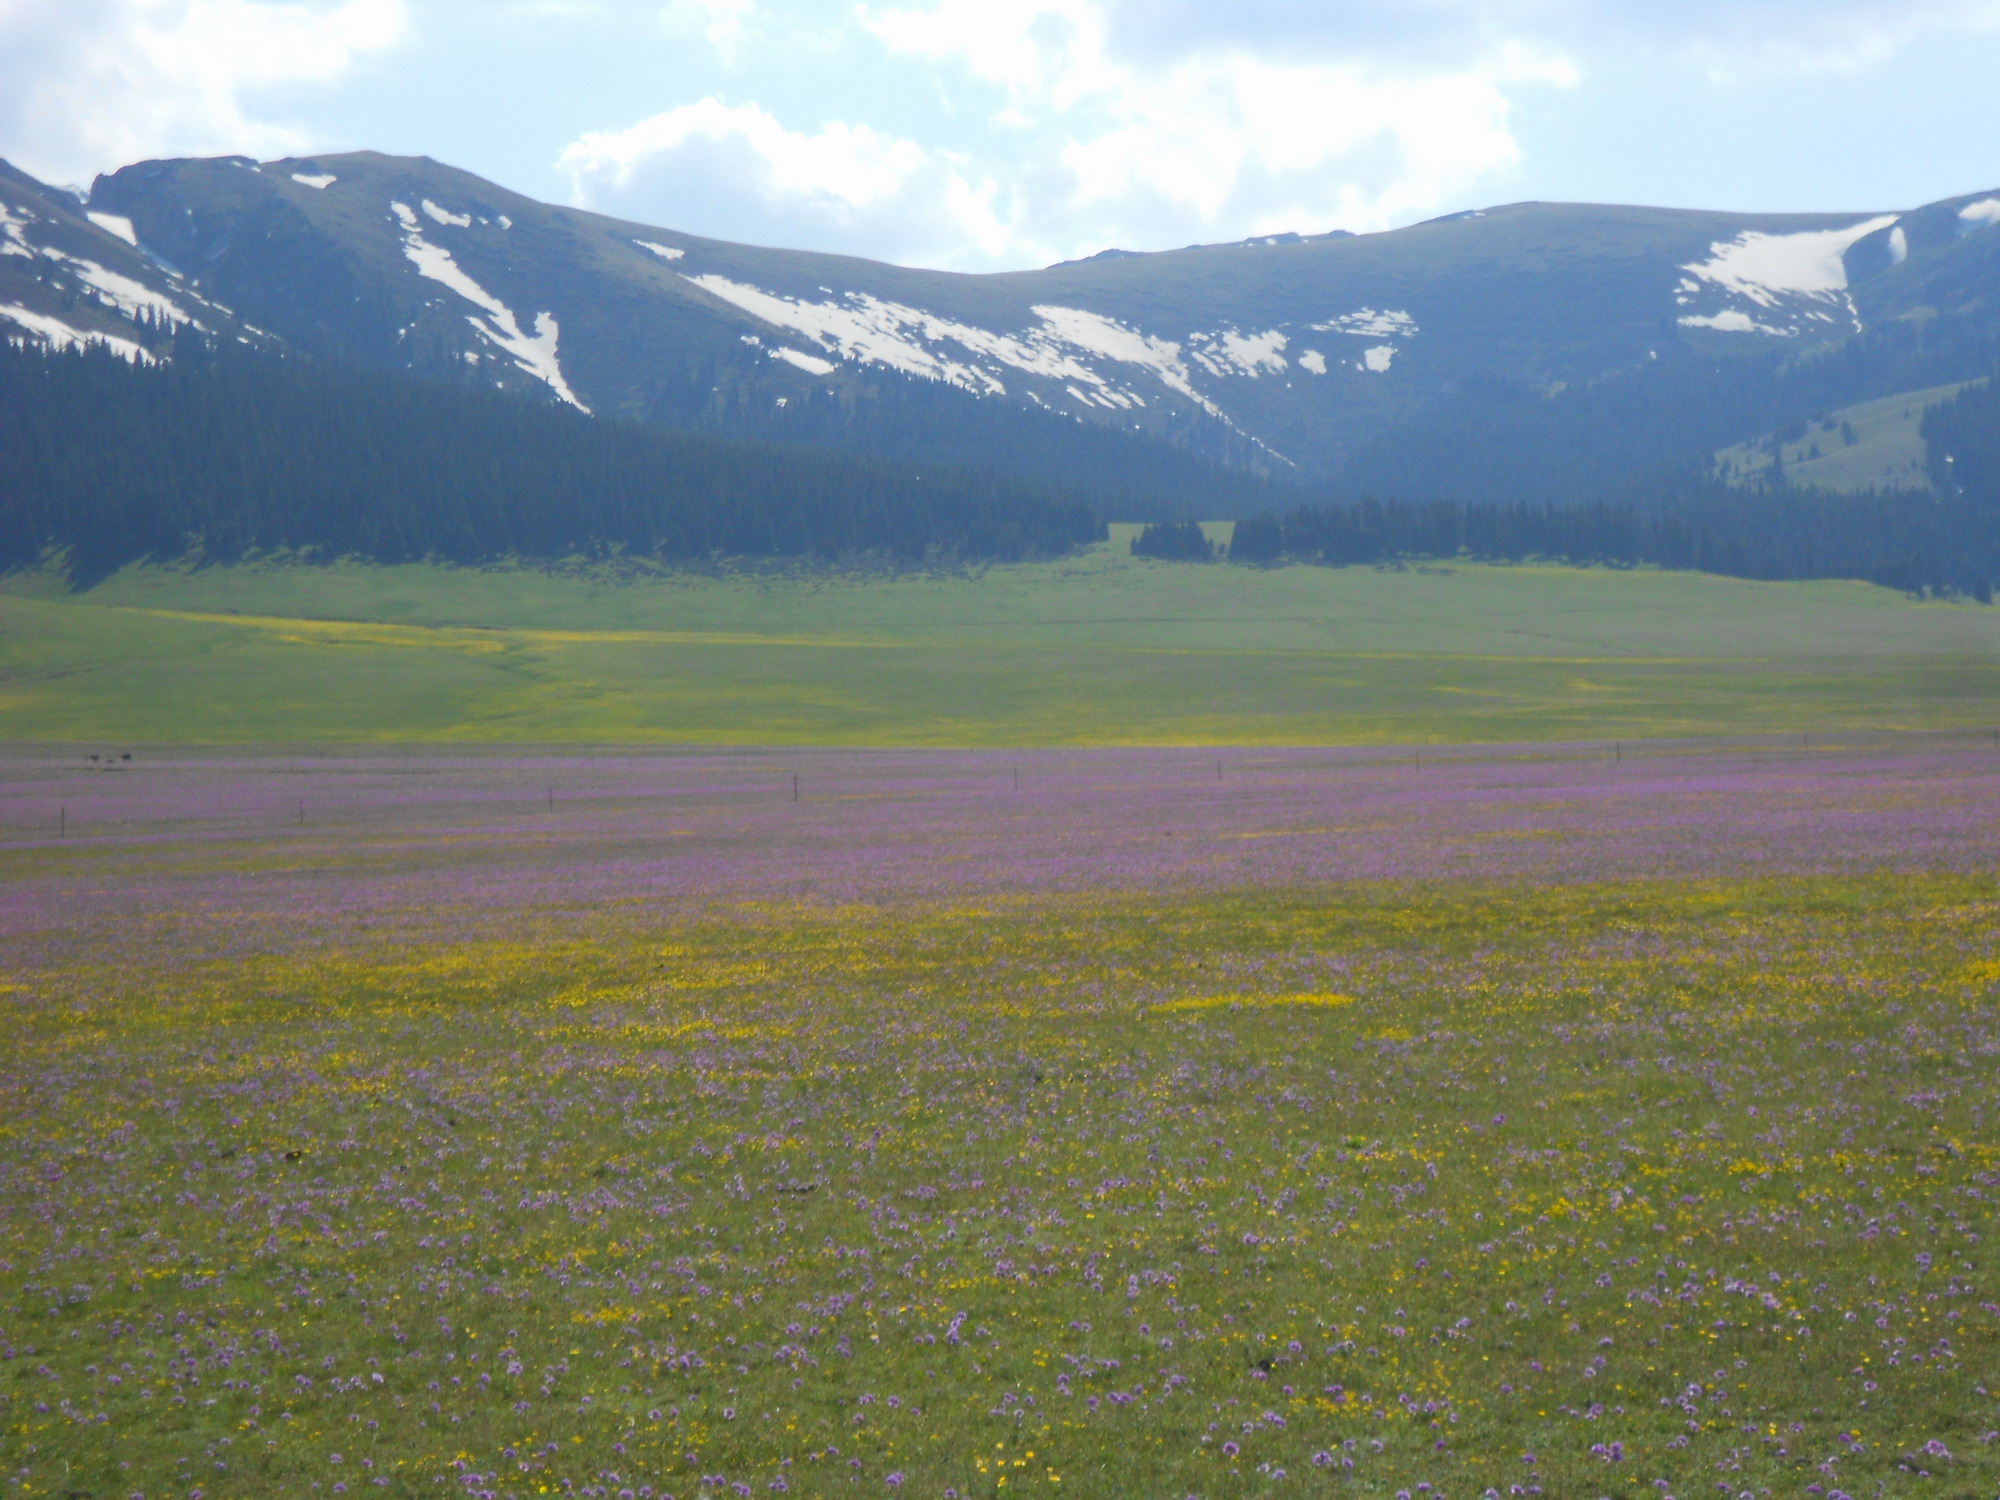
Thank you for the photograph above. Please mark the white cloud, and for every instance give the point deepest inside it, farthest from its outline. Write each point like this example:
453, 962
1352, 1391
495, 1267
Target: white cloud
87, 85
1077, 147
1237, 146
726, 25
1222, 140
735, 171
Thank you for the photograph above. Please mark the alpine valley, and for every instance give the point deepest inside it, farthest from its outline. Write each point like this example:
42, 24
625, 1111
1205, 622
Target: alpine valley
1539, 352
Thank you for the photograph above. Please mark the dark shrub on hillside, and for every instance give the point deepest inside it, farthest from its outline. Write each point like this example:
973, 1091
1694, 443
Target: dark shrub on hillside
1260, 539
1174, 541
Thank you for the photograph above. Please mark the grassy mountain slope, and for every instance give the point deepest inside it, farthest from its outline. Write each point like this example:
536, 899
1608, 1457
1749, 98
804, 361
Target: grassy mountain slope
1874, 445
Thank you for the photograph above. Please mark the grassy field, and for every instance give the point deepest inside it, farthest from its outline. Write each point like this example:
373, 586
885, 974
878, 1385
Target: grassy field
641, 1145
1102, 649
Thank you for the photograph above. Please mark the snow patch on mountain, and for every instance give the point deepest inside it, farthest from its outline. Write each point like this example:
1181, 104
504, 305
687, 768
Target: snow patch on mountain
1371, 323
1766, 268
1093, 333
446, 217
1096, 334
1797, 277
13, 232
1067, 349
869, 330
60, 335
132, 298
1313, 360
812, 364
1983, 214
1230, 352
122, 293
320, 181
118, 226
1377, 360
1899, 246
534, 353
1733, 320
665, 252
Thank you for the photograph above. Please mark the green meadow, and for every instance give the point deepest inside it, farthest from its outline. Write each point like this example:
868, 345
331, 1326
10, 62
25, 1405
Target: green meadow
1098, 649
1580, 1192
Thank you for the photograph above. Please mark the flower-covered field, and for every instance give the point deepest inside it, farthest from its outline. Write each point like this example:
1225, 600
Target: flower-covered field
1147, 1124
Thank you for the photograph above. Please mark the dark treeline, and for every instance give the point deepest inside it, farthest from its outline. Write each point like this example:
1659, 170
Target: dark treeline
220, 453
1902, 539
1962, 436
1175, 541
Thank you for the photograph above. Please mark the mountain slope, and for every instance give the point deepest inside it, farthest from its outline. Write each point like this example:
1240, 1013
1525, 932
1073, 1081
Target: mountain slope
400, 263
70, 277
1401, 361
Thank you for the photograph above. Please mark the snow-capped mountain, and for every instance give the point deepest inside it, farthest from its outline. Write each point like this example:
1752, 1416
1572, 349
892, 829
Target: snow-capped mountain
72, 276
1286, 353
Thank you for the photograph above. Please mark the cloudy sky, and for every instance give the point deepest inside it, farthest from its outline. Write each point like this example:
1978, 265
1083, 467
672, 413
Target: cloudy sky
980, 134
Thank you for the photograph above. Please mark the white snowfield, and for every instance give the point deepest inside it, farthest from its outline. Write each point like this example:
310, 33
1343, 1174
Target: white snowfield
1094, 360
1369, 323
1232, 353
812, 364
1733, 321
320, 181
130, 297
59, 335
445, 216
868, 329
1983, 214
1795, 279
534, 353
13, 237
116, 224
1093, 333
121, 293
665, 252
1377, 360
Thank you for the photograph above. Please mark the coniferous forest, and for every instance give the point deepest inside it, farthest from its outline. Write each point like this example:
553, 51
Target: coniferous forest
1945, 540
1174, 541
220, 453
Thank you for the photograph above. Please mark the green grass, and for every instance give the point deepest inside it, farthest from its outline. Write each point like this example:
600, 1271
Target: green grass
1099, 649
1582, 1187
1887, 451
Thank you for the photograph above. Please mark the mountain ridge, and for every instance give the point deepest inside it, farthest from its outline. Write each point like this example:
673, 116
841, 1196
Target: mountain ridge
1295, 358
